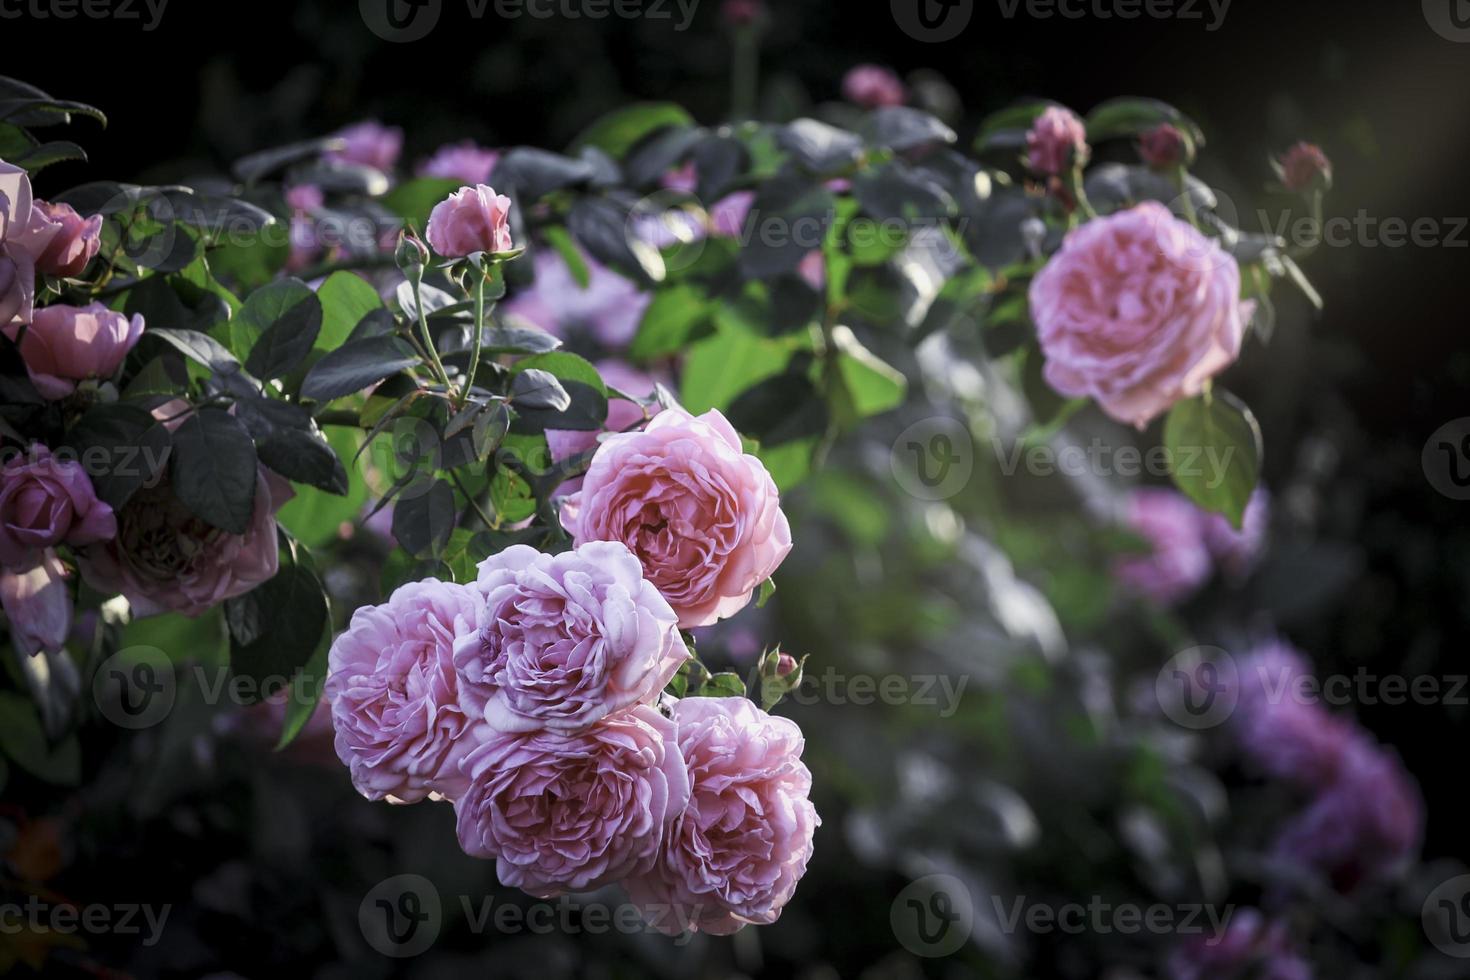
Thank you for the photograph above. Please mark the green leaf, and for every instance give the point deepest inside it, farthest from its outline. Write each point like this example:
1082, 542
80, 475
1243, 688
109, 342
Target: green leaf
422, 523
213, 469
38, 158
617, 132
262, 308
198, 347
414, 199
354, 366
535, 389
1214, 446
284, 344
873, 385
767, 589
586, 394
131, 447
1130, 116
314, 516
306, 690
675, 315
276, 627
726, 684
345, 298
558, 238
722, 366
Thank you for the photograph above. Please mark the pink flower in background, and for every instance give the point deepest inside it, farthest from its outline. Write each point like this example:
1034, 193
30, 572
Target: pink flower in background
1163, 147
45, 501
609, 308
75, 243
466, 162
724, 218
1249, 946
1235, 551
1304, 166
305, 202
735, 854
742, 13
369, 143
36, 600
472, 219
871, 86
571, 812
1283, 730
1137, 311
566, 443
164, 559
1057, 142
394, 692
563, 641
66, 344
703, 517
1177, 562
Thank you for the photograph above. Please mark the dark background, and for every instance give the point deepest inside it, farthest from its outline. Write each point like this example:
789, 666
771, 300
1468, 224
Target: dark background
1382, 93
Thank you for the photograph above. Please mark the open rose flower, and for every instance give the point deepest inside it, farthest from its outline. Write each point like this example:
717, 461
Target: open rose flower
736, 853
46, 501
395, 694
165, 559
1056, 142
565, 813
704, 518
1176, 561
1283, 730
67, 344
25, 234
472, 219
563, 641
871, 86
1137, 311
76, 241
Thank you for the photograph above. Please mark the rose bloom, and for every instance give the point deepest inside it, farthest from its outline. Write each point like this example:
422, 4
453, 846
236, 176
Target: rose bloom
1177, 562
25, 234
1163, 146
66, 344
37, 602
1057, 142
164, 559
571, 812
369, 143
1305, 165
464, 162
1283, 730
704, 518
871, 86
736, 853
1137, 311
608, 309
394, 692
1250, 946
76, 241
472, 219
562, 641
45, 501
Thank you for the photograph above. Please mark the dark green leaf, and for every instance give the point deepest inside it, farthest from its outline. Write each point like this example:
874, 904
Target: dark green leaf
285, 343
213, 469
1214, 446
423, 522
122, 448
354, 366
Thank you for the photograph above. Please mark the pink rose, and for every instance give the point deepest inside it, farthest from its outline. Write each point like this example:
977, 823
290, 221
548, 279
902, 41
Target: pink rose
369, 143
1163, 147
1236, 551
1057, 142
1177, 562
566, 443
395, 693
565, 813
75, 243
1305, 166
164, 559
704, 518
736, 853
1137, 311
66, 344
25, 233
464, 162
609, 307
563, 641
36, 600
45, 501
472, 219
871, 86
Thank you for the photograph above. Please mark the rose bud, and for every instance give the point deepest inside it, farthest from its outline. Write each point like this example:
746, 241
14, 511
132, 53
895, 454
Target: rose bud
742, 13
1164, 147
472, 219
1304, 167
871, 86
1057, 142
74, 244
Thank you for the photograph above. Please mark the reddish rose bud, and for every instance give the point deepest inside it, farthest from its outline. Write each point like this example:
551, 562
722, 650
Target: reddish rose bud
785, 665
1057, 142
1163, 147
1305, 166
742, 13
74, 244
872, 86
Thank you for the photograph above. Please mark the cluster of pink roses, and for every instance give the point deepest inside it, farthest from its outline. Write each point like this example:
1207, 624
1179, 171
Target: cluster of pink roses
533, 698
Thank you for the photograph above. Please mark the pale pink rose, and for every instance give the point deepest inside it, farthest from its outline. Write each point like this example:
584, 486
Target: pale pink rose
395, 693
74, 244
704, 518
1056, 142
871, 86
572, 812
621, 414
736, 853
472, 219
369, 143
66, 344
164, 559
563, 641
1304, 166
609, 308
46, 501
1137, 311
1163, 146
25, 234
464, 162
36, 600
1177, 562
